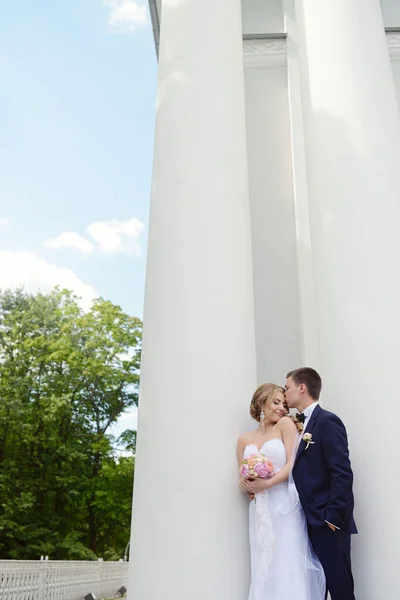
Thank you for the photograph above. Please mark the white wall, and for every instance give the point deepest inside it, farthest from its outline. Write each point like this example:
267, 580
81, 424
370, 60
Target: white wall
277, 321
396, 75
273, 230
352, 149
391, 12
262, 16
266, 16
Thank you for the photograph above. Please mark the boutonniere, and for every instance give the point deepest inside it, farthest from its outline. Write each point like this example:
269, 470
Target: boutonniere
307, 438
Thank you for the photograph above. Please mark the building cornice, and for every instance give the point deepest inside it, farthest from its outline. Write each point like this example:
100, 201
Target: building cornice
393, 41
270, 48
264, 43
264, 50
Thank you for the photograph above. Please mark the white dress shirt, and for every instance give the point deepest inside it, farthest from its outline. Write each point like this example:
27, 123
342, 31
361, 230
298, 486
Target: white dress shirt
307, 413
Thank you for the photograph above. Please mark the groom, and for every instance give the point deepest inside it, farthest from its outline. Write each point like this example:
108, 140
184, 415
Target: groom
324, 480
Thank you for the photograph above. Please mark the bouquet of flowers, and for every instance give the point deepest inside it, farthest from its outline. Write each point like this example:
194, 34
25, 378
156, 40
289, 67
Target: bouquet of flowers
257, 465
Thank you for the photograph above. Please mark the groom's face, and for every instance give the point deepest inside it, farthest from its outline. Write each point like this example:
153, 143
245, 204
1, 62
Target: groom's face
292, 394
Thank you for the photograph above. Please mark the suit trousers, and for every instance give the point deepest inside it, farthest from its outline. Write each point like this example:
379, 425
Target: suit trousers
333, 551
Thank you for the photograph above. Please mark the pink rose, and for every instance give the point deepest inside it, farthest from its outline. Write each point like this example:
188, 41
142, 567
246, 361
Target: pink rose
244, 470
262, 470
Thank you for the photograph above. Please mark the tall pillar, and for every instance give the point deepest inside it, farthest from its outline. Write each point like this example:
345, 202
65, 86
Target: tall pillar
189, 537
352, 141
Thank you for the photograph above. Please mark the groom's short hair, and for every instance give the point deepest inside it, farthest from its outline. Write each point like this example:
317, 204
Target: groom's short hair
310, 378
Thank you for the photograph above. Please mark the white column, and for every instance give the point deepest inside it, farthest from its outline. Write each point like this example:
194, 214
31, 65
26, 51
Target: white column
305, 270
189, 533
352, 136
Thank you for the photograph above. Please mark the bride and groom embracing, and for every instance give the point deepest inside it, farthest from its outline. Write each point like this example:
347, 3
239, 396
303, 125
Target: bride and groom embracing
301, 517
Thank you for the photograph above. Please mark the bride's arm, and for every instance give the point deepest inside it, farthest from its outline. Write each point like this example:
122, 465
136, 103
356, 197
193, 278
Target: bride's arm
241, 443
289, 435
240, 449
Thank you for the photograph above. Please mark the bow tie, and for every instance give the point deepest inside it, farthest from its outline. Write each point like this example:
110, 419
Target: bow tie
301, 417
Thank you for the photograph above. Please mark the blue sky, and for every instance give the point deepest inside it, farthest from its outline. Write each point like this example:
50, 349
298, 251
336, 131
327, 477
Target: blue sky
77, 106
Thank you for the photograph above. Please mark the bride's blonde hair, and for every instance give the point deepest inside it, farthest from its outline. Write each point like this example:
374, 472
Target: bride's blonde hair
263, 396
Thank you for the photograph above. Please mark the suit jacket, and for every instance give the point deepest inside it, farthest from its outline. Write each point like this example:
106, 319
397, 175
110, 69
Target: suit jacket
323, 475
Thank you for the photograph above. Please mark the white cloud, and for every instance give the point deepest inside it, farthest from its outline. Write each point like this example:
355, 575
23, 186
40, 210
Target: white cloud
4, 222
70, 239
117, 237
111, 237
126, 15
25, 269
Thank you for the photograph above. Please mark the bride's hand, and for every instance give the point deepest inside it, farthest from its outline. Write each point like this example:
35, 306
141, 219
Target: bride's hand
243, 485
257, 486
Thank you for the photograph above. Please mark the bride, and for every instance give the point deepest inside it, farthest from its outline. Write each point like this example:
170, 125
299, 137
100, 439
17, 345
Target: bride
283, 564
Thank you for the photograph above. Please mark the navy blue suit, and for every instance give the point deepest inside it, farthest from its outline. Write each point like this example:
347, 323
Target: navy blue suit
324, 480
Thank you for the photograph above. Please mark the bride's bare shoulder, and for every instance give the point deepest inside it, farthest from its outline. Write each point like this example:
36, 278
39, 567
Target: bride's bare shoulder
286, 423
246, 438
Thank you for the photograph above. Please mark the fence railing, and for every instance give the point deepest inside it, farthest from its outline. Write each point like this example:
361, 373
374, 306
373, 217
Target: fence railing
60, 580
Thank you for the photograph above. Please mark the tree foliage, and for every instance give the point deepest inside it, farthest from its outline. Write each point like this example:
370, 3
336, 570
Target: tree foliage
66, 376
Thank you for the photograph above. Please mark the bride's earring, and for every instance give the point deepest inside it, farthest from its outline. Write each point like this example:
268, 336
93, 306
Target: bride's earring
262, 419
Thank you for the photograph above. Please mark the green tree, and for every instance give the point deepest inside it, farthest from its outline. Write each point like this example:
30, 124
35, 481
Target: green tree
65, 378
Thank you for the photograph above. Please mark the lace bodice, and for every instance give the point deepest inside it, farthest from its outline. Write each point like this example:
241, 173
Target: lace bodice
273, 449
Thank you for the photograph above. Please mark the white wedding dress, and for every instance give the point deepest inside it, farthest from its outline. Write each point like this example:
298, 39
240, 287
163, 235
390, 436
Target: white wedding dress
283, 566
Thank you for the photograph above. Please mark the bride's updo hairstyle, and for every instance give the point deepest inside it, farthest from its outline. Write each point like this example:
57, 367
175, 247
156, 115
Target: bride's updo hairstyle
262, 397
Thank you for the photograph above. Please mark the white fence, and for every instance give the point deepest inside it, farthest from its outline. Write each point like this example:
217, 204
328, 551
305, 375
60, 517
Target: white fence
60, 580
